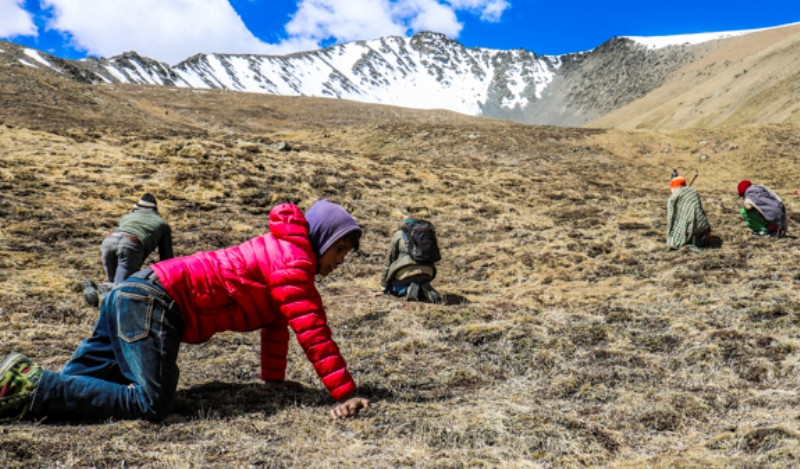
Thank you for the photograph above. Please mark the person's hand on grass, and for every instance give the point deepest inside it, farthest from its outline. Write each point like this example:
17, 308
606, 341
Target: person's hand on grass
349, 407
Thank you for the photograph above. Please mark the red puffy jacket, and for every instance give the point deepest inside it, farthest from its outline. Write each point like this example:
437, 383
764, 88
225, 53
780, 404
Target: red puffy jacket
264, 283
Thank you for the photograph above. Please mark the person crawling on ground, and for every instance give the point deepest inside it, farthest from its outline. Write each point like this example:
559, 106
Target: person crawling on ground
410, 264
763, 211
124, 250
687, 223
128, 368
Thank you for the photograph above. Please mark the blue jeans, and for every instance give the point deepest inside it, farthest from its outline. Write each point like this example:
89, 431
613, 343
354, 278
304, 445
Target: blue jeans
399, 287
128, 368
121, 258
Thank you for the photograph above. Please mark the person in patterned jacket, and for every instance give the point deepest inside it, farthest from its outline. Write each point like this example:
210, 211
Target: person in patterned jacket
128, 368
687, 223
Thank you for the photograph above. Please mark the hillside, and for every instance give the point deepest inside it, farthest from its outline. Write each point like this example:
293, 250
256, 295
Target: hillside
571, 337
751, 79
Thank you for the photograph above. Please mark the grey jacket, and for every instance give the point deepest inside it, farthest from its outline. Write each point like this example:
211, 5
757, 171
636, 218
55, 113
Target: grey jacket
768, 203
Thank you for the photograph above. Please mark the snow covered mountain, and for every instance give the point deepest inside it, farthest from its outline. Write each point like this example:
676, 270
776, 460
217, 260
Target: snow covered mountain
426, 71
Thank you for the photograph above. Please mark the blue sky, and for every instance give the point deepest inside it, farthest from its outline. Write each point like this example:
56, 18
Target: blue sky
172, 30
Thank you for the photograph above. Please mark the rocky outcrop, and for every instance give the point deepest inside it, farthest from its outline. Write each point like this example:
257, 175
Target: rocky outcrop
617, 73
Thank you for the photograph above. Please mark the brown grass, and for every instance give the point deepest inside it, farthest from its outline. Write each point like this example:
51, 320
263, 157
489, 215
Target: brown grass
572, 337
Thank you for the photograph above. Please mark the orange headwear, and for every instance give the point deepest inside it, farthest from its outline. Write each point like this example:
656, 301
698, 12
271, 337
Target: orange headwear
677, 182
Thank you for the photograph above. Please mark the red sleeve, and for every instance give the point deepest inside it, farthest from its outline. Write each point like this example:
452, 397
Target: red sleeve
294, 292
274, 347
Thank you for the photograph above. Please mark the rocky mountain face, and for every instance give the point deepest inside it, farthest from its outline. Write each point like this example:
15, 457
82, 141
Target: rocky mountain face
616, 73
426, 71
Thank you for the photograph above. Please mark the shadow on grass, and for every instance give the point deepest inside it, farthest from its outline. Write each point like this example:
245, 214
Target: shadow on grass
716, 242
448, 299
452, 299
221, 400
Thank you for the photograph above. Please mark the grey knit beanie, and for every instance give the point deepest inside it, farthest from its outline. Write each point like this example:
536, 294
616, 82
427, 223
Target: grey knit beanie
147, 201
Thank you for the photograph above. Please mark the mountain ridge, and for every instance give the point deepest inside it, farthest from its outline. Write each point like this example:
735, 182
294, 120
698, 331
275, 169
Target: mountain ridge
432, 71
425, 71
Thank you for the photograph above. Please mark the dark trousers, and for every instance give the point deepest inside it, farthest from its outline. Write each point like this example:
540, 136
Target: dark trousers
121, 258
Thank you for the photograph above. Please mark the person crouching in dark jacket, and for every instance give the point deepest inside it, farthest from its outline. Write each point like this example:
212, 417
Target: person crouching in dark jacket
124, 250
405, 277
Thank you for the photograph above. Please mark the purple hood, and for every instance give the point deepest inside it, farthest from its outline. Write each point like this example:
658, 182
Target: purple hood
328, 223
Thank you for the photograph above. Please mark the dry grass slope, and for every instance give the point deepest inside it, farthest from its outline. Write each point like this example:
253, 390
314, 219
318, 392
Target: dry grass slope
745, 80
571, 337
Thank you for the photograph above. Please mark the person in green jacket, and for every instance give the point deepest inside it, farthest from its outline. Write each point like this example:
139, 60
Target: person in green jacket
124, 250
403, 276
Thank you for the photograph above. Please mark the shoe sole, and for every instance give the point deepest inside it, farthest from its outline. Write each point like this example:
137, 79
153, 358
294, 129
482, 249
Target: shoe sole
432, 295
10, 361
91, 301
413, 293
14, 401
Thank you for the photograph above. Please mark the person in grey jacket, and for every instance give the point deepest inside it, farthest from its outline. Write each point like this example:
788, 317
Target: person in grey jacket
764, 211
403, 276
124, 250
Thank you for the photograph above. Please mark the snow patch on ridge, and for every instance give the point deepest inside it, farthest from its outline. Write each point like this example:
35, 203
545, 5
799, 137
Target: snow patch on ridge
34, 54
658, 42
116, 74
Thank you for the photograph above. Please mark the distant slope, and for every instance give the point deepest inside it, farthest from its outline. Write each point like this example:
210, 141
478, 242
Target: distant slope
749, 79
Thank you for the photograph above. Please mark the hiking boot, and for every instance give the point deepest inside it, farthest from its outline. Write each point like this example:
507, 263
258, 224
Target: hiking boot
90, 293
18, 379
104, 289
412, 292
432, 295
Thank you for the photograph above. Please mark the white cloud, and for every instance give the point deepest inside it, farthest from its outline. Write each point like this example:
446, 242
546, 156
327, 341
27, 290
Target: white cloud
344, 20
168, 30
14, 20
347, 20
428, 15
173, 30
490, 10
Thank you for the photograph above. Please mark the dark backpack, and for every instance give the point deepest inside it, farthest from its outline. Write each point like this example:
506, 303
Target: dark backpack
420, 238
